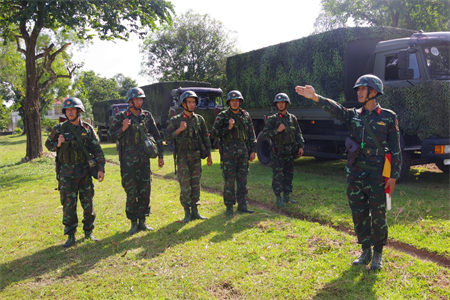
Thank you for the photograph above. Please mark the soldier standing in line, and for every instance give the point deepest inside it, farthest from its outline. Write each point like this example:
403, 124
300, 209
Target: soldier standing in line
283, 130
74, 174
128, 128
375, 132
235, 127
190, 134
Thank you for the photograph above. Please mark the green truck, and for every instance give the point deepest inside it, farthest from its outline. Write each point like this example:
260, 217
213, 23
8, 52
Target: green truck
414, 66
162, 102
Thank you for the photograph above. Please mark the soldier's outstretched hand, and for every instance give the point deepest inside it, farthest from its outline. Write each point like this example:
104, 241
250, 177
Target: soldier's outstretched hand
307, 91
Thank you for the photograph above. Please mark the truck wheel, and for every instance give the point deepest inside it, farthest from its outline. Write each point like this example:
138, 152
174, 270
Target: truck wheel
406, 165
263, 150
442, 167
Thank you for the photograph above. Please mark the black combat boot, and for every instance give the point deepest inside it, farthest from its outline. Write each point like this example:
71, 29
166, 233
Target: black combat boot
89, 236
377, 261
364, 259
70, 241
243, 208
143, 226
280, 201
229, 211
288, 199
195, 214
187, 215
134, 227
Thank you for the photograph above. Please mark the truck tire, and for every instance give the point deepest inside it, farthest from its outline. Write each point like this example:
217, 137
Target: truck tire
406, 165
442, 167
263, 150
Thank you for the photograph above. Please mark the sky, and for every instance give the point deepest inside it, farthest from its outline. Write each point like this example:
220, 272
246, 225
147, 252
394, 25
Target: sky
257, 23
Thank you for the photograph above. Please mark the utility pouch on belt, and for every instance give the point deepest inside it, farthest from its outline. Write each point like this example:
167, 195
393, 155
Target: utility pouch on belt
150, 147
352, 150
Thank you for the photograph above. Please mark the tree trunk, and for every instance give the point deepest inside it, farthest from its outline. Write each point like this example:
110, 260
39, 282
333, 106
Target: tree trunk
32, 121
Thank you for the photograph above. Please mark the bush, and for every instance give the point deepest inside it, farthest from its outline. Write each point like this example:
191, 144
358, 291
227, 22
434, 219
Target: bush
48, 124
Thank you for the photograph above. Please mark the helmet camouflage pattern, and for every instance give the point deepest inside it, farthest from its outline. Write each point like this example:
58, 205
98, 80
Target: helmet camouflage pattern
188, 94
135, 93
235, 94
72, 102
370, 81
281, 97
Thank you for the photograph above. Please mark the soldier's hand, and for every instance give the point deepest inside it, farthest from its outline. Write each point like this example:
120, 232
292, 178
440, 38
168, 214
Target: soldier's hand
391, 184
307, 91
61, 140
252, 156
183, 126
230, 123
281, 127
300, 152
160, 162
125, 124
101, 176
209, 161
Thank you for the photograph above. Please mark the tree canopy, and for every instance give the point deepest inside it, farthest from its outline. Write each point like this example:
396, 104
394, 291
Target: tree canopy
23, 21
429, 15
194, 47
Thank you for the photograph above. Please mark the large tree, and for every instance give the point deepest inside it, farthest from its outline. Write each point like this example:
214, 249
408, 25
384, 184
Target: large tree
194, 47
429, 15
23, 21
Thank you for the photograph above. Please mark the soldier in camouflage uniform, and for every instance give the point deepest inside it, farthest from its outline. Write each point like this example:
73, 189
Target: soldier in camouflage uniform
235, 127
134, 162
74, 174
283, 130
366, 185
190, 134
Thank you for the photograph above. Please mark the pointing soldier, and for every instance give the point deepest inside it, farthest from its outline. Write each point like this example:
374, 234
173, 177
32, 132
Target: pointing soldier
131, 129
190, 134
74, 174
235, 127
376, 130
286, 135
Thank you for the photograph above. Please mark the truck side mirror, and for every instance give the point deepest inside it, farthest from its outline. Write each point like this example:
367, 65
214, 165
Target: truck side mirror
403, 59
405, 74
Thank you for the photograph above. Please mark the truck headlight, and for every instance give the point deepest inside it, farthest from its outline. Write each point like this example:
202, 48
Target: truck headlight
442, 149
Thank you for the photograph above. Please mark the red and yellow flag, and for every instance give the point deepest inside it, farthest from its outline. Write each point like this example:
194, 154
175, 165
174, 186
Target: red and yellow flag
387, 170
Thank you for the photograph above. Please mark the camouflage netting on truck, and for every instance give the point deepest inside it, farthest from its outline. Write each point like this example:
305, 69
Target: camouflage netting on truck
99, 109
317, 60
422, 110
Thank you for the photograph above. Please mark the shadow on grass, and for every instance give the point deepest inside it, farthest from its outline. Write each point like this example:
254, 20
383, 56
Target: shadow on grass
354, 283
86, 254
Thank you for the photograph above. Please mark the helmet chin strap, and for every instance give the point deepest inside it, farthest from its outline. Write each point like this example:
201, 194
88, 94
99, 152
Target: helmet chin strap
367, 96
186, 108
77, 116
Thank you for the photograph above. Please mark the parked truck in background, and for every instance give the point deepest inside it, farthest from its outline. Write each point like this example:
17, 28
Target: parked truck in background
413, 66
162, 102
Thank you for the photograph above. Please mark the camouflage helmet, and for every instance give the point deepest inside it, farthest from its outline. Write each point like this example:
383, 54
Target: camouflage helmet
188, 94
370, 81
281, 97
234, 94
135, 93
72, 102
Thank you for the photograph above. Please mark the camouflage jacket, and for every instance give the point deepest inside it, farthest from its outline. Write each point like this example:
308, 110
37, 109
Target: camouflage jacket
292, 134
384, 125
130, 140
190, 138
242, 132
91, 143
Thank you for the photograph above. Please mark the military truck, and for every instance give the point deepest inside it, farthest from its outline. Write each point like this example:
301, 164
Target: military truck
162, 101
414, 67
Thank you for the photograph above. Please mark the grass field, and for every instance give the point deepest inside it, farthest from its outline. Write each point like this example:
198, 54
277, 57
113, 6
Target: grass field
266, 255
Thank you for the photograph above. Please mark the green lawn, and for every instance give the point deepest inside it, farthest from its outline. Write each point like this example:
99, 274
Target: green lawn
266, 255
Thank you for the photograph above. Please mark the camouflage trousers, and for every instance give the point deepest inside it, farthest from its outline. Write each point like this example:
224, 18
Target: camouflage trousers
283, 173
71, 189
235, 170
136, 181
189, 175
367, 201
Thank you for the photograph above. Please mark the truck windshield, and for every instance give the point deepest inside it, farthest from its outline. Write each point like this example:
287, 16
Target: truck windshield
209, 101
438, 61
